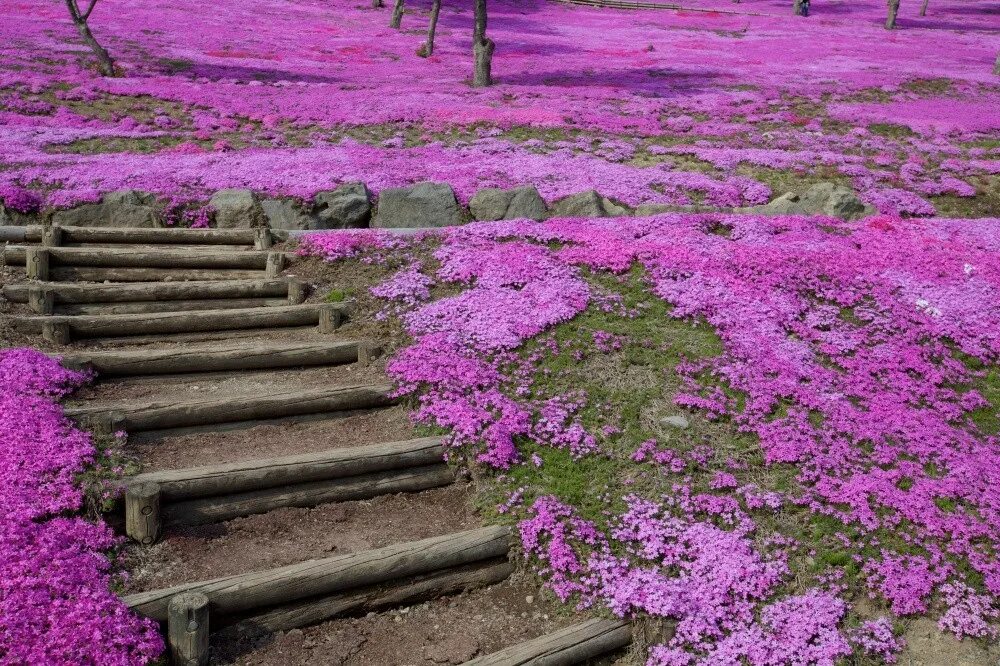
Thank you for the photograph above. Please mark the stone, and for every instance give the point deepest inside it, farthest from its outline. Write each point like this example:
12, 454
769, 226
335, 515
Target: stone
237, 209
425, 204
676, 421
513, 204
827, 199
587, 204
287, 214
122, 208
346, 207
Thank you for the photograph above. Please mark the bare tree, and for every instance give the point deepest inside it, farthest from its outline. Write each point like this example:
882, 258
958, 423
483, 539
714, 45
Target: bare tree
482, 48
104, 61
797, 7
378, 4
890, 20
923, 8
996, 66
397, 15
426, 49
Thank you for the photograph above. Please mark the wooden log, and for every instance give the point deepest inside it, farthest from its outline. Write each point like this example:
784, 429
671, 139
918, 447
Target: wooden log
368, 351
219, 357
91, 274
196, 321
331, 316
146, 307
56, 332
146, 235
41, 299
173, 247
275, 264
126, 257
414, 589
142, 512
37, 263
181, 413
575, 644
161, 291
243, 592
187, 629
207, 510
248, 475
52, 236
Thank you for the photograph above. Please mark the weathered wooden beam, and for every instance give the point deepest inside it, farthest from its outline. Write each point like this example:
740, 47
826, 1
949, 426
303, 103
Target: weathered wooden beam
213, 358
249, 475
414, 589
37, 262
91, 274
260, 589
217, 509
157, 291
146, 307
575, 644
33, 234
186, 413
196, 321
126, 257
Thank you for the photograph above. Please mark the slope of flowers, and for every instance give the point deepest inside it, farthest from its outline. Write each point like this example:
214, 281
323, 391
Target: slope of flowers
55, 603
208, 102
850, 355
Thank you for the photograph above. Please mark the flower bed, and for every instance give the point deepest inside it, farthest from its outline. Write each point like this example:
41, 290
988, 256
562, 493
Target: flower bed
852, 369
56, 601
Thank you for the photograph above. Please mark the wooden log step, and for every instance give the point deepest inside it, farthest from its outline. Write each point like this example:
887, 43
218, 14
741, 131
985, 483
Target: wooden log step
224, 356
173, 291
207, 510
575, 644
229, 478
154, 248
96, 326
126, 257
314, 578
145, 307
159, 236
91, 274
402, 592
186, 413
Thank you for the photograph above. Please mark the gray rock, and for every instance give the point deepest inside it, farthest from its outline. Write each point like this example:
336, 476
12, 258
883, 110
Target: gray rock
827, 199
236, 209
587, 204
123, 208
287, 214
347, 207
422, 205
514, 204
676, 421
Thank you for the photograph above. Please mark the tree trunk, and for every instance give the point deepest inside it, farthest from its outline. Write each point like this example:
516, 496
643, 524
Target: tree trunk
428, 49
482, 49
397, 15
797, 8
104, 61
996, 66
890, 20
923, 8
377, 4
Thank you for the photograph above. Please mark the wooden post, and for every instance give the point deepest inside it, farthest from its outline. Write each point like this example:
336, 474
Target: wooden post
187, 629
368, 352
262, 239
330, 318
36, 260
41, 300
296, 292
52, 236
275, 264
56, 332
142, 512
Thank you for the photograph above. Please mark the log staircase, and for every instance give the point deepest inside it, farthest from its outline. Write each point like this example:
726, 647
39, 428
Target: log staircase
138, 305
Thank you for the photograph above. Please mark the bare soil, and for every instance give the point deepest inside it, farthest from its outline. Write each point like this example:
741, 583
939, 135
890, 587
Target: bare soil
448, 630
287, 536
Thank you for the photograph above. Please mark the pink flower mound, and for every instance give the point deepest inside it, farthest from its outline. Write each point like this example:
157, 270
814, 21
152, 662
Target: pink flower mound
55, 603
852, 346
